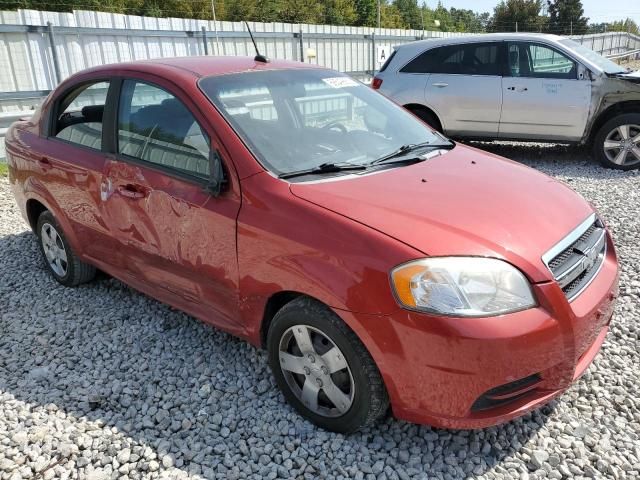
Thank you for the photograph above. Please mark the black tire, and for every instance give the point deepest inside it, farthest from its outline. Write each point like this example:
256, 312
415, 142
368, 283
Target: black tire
370, 400
74, 272
428, 117
608, 128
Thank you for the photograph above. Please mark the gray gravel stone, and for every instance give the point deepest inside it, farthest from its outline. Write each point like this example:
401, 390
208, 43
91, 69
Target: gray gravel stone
116, 385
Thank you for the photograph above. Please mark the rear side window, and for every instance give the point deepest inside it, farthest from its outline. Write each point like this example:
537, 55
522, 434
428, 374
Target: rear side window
79, 117
156, 127
388, 62
465, 59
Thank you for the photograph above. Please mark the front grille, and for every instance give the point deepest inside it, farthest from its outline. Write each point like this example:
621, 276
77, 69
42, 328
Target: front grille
576, 259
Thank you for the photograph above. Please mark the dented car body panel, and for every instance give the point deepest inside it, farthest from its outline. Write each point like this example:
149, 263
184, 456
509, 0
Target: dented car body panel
499, 100
232, 254
610, 94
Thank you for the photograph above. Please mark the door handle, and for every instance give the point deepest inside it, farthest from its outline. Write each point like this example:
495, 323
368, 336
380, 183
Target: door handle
440, 84
44, 162
519, 89
132, 191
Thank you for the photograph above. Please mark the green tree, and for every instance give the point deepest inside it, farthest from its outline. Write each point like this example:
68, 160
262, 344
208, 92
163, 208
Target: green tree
239, 10
468, 20
366, 12
340, 12
523, 15
627, 25
443, 17
301, 11
566, 17
390, 16
409, 12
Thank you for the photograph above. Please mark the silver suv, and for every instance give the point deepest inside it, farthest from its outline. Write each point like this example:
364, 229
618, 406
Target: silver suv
519, 87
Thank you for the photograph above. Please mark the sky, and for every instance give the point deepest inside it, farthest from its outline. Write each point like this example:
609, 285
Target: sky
597, 10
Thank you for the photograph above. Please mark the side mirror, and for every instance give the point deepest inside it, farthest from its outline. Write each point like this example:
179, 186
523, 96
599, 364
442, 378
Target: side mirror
217, 179
584, 73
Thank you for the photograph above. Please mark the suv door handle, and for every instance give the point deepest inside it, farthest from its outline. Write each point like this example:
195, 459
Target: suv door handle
440, 84
131, 191
520, 89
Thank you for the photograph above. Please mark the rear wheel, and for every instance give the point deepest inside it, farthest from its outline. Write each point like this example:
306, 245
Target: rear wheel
323, 369
428, 117
63, 263
617, 143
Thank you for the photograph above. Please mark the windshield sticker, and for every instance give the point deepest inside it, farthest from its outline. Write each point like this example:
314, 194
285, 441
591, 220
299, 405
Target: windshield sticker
340, 82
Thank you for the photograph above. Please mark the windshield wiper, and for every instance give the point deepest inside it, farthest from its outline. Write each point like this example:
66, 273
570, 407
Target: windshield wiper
405, 149
323, 168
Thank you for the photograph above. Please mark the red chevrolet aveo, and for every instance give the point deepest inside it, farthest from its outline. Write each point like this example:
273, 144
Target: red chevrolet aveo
377, 261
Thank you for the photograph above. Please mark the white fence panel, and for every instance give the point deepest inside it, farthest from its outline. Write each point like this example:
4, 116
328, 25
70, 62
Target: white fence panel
86, 38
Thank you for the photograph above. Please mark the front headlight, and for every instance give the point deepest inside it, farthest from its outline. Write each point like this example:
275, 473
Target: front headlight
462, 286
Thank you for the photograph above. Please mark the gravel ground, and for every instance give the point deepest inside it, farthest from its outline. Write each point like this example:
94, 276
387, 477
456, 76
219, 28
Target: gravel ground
102, 382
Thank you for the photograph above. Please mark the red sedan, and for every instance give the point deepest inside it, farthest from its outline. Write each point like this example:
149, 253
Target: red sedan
377, 261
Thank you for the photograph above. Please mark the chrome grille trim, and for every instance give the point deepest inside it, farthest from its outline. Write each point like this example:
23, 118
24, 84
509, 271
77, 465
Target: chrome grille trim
576, 259
569, 240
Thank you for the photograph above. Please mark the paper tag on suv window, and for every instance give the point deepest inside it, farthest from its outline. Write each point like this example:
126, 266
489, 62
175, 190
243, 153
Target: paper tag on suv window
340, 82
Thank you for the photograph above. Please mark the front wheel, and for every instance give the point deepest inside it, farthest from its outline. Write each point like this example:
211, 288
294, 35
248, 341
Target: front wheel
323, 369
617, 143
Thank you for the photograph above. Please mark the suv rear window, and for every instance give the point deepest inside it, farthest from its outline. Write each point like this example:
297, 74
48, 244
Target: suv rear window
465, 59
388, 62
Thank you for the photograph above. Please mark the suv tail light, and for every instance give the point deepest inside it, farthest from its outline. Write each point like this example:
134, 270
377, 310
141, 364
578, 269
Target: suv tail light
375, 84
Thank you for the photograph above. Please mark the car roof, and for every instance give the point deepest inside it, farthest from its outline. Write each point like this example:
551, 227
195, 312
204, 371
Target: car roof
482, 37
202, 66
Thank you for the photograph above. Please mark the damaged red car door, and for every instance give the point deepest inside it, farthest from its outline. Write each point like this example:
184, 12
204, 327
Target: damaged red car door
179, 239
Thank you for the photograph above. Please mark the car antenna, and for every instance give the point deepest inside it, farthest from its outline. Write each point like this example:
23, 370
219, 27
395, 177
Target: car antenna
259, 57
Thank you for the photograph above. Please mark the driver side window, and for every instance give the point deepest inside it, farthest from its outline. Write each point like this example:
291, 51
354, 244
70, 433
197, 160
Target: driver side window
539, 61
156, 127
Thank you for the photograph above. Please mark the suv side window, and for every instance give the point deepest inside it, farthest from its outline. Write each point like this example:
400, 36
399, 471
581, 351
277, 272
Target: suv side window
79, 115
156, 127
534, 60
464, 59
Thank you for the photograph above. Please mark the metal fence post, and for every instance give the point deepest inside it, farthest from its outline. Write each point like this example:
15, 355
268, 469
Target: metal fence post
54, 53
301, 46
204, 40
373, 53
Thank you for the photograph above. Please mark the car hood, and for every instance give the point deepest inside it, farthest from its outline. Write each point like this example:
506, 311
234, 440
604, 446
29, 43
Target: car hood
465, 202
633, 77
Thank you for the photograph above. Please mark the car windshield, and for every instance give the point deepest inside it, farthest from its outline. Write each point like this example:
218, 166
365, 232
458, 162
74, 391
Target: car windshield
603, 63
300, 119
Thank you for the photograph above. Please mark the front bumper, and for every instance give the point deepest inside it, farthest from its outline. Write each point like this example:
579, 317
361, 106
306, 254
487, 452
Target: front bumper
473, 373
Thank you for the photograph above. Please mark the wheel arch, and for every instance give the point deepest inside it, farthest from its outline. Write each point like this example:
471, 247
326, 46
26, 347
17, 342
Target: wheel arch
38, 199
415, 108
279, 299
34, 209
620, 108
273, 305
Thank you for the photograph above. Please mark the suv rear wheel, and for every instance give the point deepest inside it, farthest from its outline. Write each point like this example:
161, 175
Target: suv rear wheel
617, 143
427, 117
323, 369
